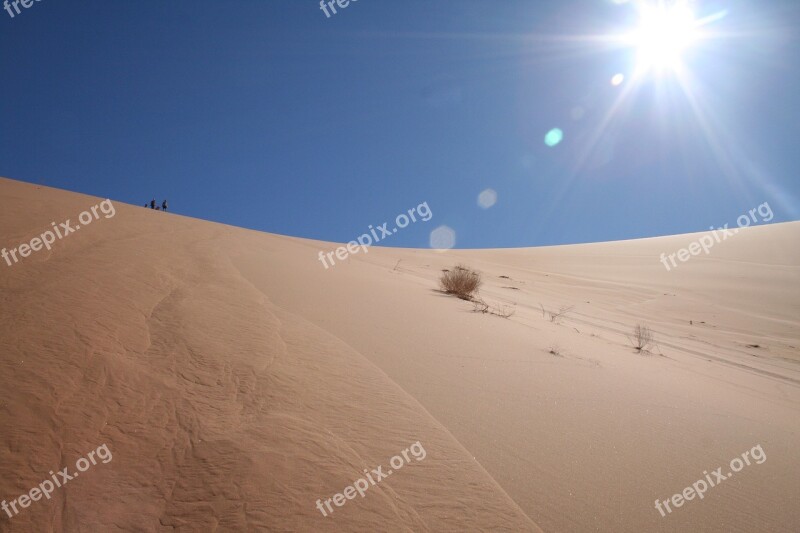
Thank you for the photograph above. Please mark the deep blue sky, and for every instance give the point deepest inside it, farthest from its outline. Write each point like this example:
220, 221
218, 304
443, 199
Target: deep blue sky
268, 115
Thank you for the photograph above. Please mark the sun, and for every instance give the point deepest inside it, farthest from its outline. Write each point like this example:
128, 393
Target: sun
663, 34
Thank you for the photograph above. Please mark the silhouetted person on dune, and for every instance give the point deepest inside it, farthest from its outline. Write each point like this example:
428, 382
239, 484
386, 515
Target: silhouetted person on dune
153, 203
164, 205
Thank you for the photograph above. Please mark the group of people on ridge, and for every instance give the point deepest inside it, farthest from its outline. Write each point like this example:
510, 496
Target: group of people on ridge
154, 206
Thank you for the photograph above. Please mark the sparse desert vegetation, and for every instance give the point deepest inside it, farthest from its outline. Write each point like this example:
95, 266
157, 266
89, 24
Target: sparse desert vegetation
642, 338
461, 282
556, 316
480, 306
464, 283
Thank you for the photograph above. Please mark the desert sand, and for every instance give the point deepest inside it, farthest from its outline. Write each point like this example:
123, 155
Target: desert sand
237, 381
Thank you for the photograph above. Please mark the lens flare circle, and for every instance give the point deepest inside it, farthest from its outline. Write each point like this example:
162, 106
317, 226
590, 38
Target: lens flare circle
554, 137
487, 198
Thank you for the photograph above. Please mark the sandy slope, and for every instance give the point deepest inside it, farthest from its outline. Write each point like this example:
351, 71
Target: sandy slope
236, 380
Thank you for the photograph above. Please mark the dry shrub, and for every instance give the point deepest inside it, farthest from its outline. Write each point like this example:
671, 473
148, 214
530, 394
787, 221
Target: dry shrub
642, 338
461, 282
479, 305
555, 317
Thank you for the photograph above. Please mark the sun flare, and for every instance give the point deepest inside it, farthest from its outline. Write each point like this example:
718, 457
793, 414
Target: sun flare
663, 34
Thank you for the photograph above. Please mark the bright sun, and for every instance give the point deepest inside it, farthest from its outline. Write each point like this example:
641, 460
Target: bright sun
663, 34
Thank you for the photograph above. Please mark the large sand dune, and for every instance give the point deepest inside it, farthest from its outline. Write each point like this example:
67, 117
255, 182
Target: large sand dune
237, 381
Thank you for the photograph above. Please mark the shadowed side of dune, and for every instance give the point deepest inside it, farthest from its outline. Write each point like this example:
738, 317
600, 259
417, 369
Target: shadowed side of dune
221, 410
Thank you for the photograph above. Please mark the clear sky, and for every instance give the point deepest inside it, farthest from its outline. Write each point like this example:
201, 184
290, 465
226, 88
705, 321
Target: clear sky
269, 115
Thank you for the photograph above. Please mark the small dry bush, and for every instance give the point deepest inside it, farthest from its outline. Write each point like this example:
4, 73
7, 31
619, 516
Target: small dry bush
642, 338
555, 317
479, 305
461, 282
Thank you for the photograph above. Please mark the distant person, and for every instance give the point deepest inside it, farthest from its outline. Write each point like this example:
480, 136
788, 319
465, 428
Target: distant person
146, 205
153, 203
164, 205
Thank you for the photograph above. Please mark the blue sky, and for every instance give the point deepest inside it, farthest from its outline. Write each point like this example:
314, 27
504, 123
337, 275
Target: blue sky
266, 114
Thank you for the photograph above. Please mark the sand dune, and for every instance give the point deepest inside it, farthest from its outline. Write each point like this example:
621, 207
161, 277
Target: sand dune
237, 381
